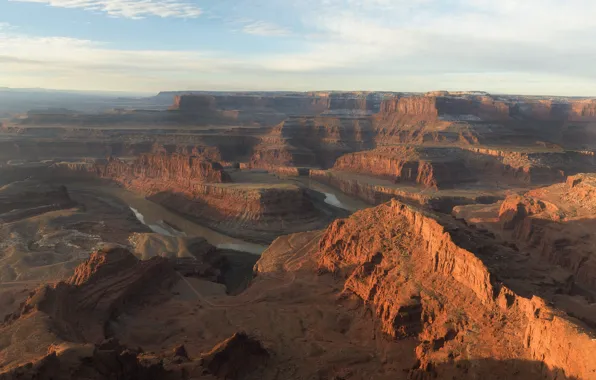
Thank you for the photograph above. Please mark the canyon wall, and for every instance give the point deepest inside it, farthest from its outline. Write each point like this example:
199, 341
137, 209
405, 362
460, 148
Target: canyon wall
453, 167
472, 119
377, 193
181, 170
308, 104
404, 264
554, 223
203, 191
312, 141
430, 168
490, 108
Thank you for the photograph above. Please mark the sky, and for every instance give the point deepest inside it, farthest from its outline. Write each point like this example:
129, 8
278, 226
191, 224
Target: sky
144, 46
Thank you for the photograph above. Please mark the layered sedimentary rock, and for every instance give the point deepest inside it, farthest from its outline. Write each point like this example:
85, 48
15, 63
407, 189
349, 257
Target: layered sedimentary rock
251, 211
312, 141
375, 192
78, 310
20, 202
469, 118
489, 108
405, 265
430, 168
583, 110
201, 190
555, 224
314, 103
64, 331
180, 170
538, 167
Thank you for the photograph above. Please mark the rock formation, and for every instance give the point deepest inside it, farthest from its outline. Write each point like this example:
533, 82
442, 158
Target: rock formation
464, 269
430, 168
78, 310
201, 190
554, 223
406, 268
235, 357
180, 170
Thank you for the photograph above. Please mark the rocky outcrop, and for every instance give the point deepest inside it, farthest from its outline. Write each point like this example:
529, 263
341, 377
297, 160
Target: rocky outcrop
414, 106
254, 212
536, 167
405, 264
235, 358
430, 168
194, 103
554, 224
25, 200
78, 310
199, 189
489, 108
309, 104
180, 170
376, 192
479, 118
583, 110
104, 361
312, 141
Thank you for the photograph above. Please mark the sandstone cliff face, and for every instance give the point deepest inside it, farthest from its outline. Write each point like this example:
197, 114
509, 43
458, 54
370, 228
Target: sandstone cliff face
235, 357
375, 193
405, 264
488, 108
202, 190
181, 170
584, 110
554, 224
431, 106
65, 330
312, 141
471, 119
430, 168
194, 103
309, 104
415, 106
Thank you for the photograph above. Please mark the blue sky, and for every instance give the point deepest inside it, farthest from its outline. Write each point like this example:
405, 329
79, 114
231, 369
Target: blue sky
506, 46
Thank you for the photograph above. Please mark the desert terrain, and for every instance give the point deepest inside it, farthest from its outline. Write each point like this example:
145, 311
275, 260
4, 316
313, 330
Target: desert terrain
287, 235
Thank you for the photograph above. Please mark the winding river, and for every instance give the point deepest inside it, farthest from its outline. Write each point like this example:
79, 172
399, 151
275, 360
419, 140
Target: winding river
165, 222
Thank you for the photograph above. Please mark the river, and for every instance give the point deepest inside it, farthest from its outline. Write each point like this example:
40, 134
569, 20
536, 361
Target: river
165, 222
333, 196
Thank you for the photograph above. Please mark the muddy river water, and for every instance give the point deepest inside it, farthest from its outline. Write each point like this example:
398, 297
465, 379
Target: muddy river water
165, 222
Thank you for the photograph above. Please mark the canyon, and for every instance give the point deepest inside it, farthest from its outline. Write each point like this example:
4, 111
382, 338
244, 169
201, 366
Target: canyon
319, 235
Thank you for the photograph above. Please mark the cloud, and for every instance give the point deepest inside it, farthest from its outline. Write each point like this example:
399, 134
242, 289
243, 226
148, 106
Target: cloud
507, 46
365, 36
133, 9
61, 62
262, 28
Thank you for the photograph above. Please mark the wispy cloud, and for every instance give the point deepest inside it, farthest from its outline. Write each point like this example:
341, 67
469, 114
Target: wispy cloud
134, 9
523, 46
262, 28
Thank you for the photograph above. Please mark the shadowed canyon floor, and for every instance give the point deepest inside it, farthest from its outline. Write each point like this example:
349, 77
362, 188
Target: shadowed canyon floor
300, 236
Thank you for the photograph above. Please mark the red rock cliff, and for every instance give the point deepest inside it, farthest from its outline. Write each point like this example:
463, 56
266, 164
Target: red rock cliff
178, 169
406, 265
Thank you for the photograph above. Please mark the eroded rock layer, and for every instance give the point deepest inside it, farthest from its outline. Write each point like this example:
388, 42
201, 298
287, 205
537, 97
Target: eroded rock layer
78, 310
201, 190
405, 265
